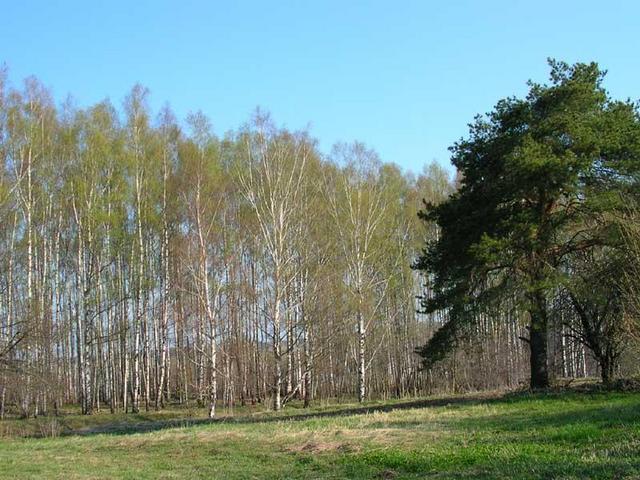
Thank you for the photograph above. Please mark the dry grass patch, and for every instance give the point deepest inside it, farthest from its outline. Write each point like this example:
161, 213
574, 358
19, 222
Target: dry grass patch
324, 446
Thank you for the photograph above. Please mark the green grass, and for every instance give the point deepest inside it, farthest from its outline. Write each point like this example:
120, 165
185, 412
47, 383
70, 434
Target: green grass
568, 436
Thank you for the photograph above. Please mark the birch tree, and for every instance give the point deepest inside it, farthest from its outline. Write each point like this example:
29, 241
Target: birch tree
272, 185
357, 203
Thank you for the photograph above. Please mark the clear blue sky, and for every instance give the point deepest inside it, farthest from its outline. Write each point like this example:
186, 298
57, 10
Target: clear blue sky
404, 77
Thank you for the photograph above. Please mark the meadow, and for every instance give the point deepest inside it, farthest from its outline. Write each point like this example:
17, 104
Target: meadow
529, 436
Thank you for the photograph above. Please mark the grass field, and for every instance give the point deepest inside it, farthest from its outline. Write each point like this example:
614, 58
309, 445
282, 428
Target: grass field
569, 435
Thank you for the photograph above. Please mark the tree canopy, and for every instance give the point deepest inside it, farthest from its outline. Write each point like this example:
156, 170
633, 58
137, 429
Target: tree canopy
540, 177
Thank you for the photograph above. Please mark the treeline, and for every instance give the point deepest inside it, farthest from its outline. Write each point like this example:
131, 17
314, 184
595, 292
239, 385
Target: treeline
146, 261
545, 223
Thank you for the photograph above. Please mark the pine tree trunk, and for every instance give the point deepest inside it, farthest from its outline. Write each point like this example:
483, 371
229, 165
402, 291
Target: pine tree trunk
538, 342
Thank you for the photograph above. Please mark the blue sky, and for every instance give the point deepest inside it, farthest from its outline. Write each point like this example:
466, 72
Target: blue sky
404, 77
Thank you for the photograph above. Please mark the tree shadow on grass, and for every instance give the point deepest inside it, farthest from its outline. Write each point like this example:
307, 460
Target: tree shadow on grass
270, 417
612, 415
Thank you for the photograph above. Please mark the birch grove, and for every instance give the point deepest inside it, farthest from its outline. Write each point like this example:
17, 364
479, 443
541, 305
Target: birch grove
145, 261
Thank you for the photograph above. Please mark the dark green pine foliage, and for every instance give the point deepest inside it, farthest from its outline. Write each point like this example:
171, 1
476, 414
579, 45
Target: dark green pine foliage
535, 174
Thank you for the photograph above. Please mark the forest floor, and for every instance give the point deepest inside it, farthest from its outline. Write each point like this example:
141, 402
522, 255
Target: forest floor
553, 435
